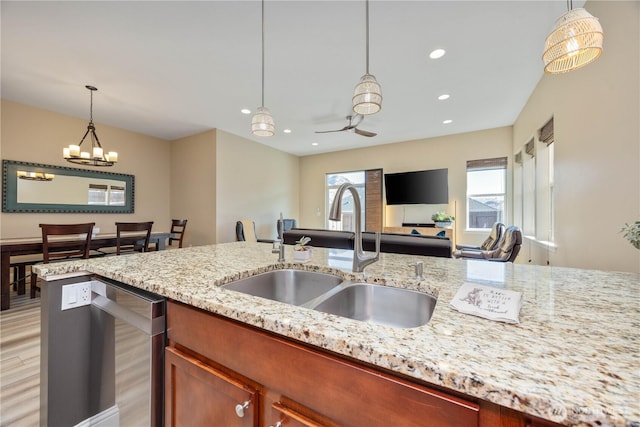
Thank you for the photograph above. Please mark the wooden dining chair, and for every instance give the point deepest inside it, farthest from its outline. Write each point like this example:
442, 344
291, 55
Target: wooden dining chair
178, 226
133, 236
62, 242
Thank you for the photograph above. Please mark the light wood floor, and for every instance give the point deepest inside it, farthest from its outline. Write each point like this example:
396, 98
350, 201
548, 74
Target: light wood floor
20, 367
20, 362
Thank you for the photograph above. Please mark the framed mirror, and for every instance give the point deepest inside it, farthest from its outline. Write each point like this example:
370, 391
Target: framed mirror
33, 187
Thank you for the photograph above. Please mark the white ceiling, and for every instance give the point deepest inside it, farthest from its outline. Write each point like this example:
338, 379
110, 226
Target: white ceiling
175, 68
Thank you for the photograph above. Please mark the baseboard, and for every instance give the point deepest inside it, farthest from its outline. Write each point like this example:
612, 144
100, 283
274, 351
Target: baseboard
107, 418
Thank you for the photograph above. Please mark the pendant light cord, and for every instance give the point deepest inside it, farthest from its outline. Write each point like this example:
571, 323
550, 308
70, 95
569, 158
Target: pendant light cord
367, 26
262, 54
91, 107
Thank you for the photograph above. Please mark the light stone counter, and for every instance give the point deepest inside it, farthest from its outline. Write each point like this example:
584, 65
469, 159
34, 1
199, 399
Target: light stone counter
573, 359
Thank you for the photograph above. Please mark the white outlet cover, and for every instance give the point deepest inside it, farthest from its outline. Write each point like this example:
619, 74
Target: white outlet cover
75, 295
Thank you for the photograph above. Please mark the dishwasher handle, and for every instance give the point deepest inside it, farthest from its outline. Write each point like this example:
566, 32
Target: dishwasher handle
150, 327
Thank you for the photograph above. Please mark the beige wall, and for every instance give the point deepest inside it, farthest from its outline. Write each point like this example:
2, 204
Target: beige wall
35, 135
597, 154
450, 152
193, 186
253, 182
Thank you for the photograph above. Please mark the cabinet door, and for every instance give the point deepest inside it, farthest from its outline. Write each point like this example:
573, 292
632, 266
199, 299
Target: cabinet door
198, 395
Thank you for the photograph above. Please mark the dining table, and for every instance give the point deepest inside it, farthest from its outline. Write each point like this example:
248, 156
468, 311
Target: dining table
33, 246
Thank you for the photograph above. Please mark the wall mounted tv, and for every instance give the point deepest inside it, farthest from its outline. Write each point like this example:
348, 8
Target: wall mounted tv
429, 187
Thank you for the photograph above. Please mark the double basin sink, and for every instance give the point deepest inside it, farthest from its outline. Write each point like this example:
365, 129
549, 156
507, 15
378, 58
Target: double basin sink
397, 307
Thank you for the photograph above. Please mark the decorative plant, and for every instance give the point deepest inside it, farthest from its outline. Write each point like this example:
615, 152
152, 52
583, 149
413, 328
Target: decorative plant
440, 216
301, 244
632, 233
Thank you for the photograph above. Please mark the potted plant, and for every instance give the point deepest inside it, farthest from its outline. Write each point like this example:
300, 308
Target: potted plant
632, 233
302, 252
442, 219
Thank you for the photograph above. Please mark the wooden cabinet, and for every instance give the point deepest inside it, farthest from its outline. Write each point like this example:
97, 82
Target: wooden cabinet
214, 364
198, 394
297, 385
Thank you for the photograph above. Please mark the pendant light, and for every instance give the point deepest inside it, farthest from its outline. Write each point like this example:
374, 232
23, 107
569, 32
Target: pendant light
95, 157
575, 41
367, 96
262, 122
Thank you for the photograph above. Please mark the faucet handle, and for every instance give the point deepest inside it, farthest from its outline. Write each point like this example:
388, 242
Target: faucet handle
419, 266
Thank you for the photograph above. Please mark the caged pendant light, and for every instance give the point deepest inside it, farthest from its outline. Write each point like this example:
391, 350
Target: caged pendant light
95, 157
262, 123
367, 96
575, 41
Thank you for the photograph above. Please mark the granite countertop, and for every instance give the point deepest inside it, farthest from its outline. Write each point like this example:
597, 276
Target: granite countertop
572, 359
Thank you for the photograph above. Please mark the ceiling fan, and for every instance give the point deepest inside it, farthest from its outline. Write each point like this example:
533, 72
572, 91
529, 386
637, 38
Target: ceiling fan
354, 121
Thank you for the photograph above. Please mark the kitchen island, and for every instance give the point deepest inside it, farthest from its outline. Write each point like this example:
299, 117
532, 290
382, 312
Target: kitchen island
572, 359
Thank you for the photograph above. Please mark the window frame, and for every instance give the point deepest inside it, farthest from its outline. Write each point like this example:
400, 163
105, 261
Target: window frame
497, 163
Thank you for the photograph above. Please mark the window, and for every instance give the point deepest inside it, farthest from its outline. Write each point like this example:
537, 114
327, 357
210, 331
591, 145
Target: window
486, 188
369, 187
97, 194
529, 189
544, 184
534, 176
106, 195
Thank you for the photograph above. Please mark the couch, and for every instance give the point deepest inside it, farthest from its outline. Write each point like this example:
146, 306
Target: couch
409, 244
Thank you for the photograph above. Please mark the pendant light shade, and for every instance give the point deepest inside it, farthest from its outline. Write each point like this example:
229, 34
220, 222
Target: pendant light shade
262, 123
576, 40
367, 96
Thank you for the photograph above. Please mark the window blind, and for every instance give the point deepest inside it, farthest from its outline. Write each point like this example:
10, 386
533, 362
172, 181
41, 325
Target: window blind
529, 148
518, 157
545, 134
487, 164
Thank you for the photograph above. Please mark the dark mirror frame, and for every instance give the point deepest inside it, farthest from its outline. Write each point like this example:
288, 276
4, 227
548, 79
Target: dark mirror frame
10, 187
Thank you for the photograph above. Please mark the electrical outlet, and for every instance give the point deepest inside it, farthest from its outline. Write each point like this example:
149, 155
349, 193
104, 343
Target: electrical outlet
76, 295
84, 293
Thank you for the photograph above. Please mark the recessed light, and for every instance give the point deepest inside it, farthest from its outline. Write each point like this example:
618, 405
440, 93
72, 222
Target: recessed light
438, 53
245, 111
315, 144
287, 131
444, 96
446, 122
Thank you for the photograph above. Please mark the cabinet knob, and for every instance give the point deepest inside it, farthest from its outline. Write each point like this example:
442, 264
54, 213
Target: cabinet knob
278, 424
240, 407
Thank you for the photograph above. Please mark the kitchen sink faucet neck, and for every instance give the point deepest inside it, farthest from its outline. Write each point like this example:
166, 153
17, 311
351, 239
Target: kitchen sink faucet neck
360, 259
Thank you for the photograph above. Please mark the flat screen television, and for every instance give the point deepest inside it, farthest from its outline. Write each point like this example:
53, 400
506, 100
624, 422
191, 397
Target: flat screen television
429, 187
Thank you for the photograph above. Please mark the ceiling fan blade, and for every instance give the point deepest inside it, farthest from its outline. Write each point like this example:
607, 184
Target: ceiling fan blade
364, 132
337, 130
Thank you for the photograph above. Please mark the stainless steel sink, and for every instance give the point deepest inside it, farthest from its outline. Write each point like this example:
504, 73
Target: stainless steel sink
397, 307
291, 286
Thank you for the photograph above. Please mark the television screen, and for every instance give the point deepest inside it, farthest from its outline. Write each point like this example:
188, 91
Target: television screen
429, 187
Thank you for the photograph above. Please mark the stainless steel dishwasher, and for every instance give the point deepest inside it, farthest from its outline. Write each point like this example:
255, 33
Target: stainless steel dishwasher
102, 362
